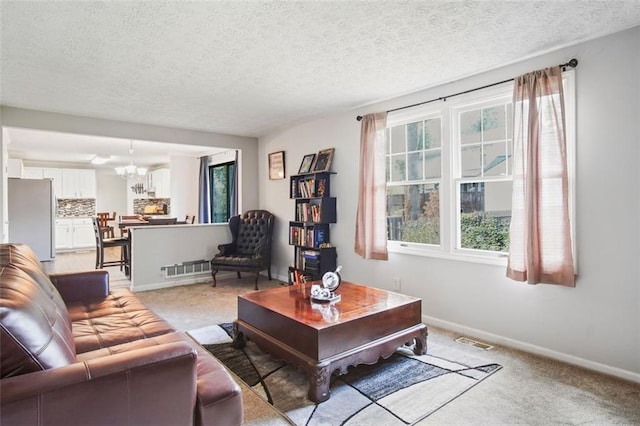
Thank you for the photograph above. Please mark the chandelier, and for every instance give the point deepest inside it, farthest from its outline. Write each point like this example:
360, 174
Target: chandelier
133, 173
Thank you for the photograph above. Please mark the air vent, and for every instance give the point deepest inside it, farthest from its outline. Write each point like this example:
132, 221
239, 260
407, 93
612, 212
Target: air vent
474, 343
186, 268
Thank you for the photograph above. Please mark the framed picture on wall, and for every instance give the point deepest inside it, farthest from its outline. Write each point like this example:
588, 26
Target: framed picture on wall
276, 165
307, 162
323, 161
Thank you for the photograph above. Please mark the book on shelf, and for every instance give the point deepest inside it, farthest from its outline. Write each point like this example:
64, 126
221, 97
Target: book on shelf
319, 236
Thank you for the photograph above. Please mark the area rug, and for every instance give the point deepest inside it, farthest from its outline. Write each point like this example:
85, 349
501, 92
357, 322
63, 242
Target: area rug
400, 390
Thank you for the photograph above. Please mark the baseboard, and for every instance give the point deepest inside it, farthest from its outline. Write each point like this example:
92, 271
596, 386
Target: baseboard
174, 283
534, 349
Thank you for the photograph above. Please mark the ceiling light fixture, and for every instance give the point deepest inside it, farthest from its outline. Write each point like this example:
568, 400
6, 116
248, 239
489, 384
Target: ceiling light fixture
131, 171
100, 159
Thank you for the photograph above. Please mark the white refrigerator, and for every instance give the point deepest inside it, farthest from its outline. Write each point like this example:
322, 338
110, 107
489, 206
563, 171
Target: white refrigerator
32, 215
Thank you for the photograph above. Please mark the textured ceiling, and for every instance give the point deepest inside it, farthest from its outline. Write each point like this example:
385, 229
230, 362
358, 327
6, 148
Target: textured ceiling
250, 68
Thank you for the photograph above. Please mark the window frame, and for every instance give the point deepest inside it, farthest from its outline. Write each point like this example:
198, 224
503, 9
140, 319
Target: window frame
229, 176
451, 177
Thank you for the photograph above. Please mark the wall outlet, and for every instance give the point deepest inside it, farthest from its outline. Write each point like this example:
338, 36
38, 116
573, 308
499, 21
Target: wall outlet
397, 284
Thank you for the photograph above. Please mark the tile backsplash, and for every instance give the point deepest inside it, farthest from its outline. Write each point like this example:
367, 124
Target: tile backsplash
140, 203
74, 207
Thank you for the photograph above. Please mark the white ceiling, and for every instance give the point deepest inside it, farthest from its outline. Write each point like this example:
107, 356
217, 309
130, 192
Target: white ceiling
251, 68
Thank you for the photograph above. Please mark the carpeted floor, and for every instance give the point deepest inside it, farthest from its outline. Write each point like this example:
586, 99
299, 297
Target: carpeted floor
399, 390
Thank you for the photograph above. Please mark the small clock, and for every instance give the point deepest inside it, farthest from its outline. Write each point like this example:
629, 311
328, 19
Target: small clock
331, 280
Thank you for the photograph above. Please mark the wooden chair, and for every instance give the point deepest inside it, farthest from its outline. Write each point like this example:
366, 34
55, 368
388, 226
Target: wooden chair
102, 243
124, 232
105, 228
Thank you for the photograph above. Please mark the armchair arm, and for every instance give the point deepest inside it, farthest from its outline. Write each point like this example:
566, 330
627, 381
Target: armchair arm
124, 389
226, 249
80, 286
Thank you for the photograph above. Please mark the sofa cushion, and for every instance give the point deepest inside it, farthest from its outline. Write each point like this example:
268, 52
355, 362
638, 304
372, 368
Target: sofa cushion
118, 318
34, 331
22, 257
219, 398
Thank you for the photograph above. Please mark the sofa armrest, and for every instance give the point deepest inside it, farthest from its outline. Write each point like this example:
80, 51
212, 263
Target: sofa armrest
154, 385
82, 286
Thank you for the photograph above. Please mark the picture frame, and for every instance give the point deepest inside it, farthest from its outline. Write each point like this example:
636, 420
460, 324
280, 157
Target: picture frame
276, 165
307, 163
323, 160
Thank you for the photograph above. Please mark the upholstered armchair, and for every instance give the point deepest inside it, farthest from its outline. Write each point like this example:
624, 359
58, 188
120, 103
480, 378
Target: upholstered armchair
250, 248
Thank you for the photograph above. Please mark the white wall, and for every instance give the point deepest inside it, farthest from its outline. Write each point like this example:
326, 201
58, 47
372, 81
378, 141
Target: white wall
596, 324
111, 192
156, 246
184, 186
4, 159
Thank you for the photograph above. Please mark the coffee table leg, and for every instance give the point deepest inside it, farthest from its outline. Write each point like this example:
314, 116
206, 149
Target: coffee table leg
320, 379
420, 347
238, 337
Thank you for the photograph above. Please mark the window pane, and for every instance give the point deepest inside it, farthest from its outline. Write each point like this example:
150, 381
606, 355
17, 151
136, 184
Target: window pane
432, 134
485, 214
471, 161
397, 140
470, 127
415, 166
415, 136
493, 124
495, 159
432, 164
398, 168
220, 201
413, 213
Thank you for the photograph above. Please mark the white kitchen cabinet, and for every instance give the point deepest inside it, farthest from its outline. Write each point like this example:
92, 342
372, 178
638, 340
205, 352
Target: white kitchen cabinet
78, 183
32, 173
83, 235
63, 234
160, 182
15, 168
56, 176
67, 183
74, 233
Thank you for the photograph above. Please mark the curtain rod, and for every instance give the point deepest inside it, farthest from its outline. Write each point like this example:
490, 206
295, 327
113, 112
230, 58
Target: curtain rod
572, 63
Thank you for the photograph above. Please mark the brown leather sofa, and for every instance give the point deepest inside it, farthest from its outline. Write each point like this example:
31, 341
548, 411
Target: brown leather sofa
72, 352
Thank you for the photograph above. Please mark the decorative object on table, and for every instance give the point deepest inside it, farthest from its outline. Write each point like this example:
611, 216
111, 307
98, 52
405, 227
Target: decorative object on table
276, 165
307, 162
323, 161
326, 293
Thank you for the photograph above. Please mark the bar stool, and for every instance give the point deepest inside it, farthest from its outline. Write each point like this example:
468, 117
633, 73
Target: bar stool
105, 228
102, 243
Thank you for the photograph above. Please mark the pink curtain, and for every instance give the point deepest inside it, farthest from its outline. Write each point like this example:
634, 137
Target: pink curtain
540, 239
371, 223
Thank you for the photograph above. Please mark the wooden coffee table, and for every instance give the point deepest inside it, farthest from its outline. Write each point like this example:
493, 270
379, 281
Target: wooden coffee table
366, 324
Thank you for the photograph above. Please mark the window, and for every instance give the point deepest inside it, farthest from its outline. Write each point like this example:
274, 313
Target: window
414, 169
221, 191
449, 174
484, 146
